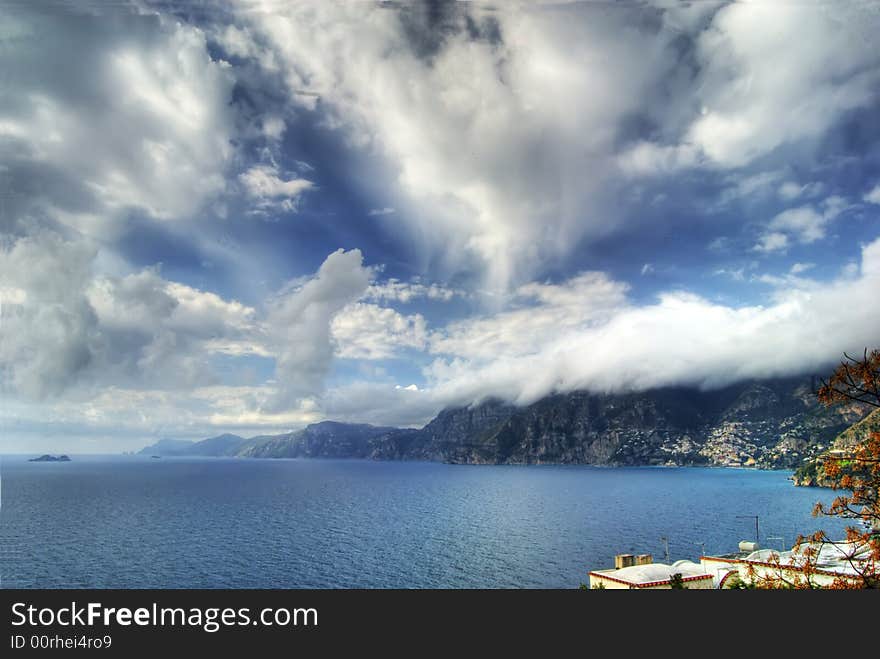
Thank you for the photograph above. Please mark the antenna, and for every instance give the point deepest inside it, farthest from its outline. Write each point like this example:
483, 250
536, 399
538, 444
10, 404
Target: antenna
702, 545
754, 517
665, 542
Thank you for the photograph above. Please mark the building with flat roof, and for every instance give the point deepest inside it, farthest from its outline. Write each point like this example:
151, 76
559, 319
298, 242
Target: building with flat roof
821, 564
824, 564
653, 576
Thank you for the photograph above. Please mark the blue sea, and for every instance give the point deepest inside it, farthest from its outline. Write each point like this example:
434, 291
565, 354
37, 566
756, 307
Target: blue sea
136, 522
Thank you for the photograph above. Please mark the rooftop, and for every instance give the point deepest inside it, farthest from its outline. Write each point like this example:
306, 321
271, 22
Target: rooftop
654, 573
839, 557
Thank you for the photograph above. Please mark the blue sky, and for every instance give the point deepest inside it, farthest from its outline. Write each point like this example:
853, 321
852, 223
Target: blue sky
254, 217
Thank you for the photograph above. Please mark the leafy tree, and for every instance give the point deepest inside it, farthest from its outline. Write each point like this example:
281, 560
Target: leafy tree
854, 380
734, 582
856, 473
856, 469
676, 582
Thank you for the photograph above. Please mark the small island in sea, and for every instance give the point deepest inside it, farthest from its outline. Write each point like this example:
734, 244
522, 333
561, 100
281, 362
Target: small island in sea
50, 458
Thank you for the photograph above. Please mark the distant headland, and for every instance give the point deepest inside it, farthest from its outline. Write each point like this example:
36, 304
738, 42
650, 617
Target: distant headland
50, 458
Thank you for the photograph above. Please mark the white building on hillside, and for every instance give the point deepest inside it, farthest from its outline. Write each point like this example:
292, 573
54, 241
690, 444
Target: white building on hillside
653, 576
824, 564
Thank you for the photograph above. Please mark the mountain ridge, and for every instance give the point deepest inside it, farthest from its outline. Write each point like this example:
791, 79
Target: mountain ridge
767, 423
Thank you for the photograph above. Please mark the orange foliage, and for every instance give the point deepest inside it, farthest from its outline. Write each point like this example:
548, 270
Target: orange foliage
856, 474
854, 380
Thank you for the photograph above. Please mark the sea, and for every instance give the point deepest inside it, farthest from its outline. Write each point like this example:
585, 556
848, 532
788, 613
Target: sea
141, 522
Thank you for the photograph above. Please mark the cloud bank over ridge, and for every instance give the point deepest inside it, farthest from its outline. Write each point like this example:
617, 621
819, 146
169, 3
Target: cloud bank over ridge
256, 218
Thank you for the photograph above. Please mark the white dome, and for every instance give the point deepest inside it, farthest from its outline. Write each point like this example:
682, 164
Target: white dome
641, 574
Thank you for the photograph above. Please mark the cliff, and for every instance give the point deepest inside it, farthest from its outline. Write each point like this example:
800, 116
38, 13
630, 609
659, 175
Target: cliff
775, 423
328, 439
222, 445
769, 424
809, 473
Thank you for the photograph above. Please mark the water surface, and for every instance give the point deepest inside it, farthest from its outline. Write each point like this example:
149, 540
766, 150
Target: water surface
136, 522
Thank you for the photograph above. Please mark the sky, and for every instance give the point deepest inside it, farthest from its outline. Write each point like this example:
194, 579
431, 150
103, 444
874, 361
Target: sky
251, 216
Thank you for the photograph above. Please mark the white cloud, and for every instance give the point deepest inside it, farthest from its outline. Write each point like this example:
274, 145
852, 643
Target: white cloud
821, 68
381, 403
588, 299
11, 295
237, 42
51, 337
71, 327
536, 115
141, 121
496, 154
736, 274
133, 353
648, 159
367, 331
262, 182
873, 196
273, 127
68, 334
128, 418
748, 187
789, 191
394, 290
682, 339
208, 313
790, 280
299, 325
773, 241
583, 333
92, 348
164, 333
244, 409
738, 108
548, 127
804, 224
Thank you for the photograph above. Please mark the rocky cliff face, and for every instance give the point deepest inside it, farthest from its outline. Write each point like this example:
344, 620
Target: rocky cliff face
859, 431
810, 472
571, 428
222, 445
328, 439
771, 424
